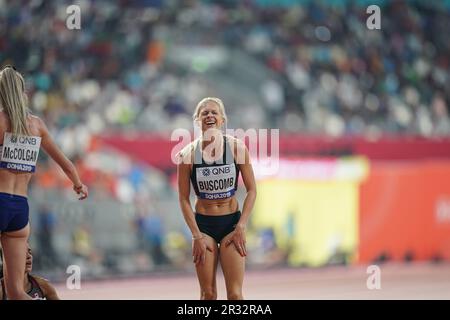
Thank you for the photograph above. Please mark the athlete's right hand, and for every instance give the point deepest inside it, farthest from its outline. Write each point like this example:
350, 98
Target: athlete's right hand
199, 248
81, 190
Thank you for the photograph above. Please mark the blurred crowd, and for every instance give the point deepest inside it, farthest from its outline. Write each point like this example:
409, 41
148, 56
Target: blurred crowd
331, 74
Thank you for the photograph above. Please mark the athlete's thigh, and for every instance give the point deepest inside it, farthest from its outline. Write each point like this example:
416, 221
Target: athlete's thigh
206, 272
14, 247
232, 263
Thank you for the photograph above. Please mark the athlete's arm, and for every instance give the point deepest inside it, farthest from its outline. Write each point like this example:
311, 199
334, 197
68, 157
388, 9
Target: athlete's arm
183, 172
184, 189
242, 157
249, 181
50, 293
66, 165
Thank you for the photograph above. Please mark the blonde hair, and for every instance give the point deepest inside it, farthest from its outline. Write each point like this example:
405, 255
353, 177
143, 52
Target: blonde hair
14, 100
203, 102
190, 148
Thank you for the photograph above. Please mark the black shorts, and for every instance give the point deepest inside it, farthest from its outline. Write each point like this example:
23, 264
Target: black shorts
217, 226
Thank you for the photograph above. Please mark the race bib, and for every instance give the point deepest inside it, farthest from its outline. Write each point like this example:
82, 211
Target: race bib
20, 152
216, 182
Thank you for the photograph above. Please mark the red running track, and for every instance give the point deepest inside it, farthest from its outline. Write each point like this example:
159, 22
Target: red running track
398, 281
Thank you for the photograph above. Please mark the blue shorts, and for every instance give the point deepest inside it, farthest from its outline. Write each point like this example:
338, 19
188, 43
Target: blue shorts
217, 226
14, 212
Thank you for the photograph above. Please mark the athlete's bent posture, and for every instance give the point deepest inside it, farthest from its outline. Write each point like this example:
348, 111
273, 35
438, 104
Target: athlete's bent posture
212, 164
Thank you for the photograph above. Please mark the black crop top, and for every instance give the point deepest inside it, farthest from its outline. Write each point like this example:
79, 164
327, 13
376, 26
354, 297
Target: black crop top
216, 180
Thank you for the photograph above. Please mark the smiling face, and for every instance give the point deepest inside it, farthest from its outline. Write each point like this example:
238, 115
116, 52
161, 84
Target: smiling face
210, 116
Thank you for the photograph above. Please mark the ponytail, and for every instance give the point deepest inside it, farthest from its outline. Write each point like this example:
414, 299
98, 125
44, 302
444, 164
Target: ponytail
14, 100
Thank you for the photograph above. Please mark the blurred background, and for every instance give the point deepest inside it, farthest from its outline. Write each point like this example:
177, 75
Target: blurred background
363, 115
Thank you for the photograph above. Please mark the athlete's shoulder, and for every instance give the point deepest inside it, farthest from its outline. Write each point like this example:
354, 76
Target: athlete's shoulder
35, 119
39, 279
47, 288
235, 142
43, 283
3, 120
38, 123
230, 138
3, 116
239, 150
186, 154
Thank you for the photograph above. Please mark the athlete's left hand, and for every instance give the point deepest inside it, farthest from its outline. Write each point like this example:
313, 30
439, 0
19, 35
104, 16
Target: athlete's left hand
238, 239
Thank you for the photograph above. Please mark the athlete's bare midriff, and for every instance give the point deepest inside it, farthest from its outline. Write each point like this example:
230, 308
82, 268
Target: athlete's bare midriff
15, 182
216, 207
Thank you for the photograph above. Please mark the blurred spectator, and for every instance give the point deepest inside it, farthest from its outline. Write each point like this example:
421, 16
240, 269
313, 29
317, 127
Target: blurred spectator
86, 255
174, 107
155, 236
266, 251
130, 65
46, 228
81, 242
151, 233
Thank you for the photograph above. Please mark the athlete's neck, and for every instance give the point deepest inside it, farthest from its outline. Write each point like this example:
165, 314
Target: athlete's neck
214, 149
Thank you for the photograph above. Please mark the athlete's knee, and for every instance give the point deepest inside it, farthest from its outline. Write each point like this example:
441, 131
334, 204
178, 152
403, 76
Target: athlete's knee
235, 295
209, 294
